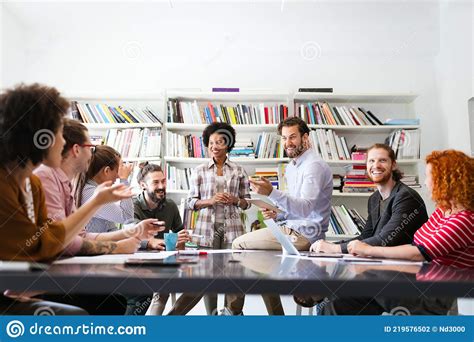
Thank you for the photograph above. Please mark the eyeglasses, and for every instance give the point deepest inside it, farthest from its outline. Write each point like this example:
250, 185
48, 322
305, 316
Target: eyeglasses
92, 147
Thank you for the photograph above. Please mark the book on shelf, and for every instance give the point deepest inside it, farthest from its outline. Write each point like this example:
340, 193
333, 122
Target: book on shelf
269, 173
411, 181
185, 146
402, 122
192, 112
322, 113
345, 221
328, 145
269, 146
135, 142
178, 179
188, 216
243, 148
103, 113
356, 180
405, 143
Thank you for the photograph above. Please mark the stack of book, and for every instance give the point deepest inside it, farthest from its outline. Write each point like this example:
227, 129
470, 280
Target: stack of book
243, 149
328, 145
345, 221
185, 146
188, 216
411, 181
405, 143
322, 113
357, 180
103, 113
269, 146
135, 142
270, 173
192, 112
178, 179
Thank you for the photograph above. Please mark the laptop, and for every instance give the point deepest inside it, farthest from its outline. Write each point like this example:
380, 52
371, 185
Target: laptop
290, 249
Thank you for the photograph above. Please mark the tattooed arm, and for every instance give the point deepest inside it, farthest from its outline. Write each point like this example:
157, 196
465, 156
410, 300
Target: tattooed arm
95, 247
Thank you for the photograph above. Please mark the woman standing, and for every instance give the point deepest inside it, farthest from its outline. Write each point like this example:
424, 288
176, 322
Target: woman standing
219, 189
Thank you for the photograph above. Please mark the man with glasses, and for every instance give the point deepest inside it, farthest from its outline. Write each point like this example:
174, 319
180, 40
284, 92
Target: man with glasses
58, 188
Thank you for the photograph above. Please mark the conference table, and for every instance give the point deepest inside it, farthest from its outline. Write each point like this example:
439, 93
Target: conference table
249, 272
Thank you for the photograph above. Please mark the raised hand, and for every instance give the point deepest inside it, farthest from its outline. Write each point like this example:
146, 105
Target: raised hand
106, 192
125, 169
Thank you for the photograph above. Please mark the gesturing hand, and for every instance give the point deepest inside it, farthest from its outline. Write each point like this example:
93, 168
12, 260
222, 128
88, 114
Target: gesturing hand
106, 192
262, 186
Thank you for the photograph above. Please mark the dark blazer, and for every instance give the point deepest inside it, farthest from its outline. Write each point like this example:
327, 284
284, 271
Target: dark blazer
404, 213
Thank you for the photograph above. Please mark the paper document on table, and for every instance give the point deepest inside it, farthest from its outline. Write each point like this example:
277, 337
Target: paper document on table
114, 258
348, 258
263, 204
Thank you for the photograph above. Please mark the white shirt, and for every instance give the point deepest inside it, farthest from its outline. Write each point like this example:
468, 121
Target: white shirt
308, 201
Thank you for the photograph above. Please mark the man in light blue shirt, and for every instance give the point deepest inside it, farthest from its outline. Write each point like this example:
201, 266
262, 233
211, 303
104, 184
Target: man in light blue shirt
306, 206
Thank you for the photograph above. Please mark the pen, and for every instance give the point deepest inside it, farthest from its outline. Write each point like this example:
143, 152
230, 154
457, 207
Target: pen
192, 252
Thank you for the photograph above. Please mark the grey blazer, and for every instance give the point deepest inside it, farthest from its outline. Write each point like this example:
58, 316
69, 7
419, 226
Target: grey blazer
404, 213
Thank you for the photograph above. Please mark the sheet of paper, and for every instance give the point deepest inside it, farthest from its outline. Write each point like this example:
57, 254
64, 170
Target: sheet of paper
263, 204
348, 258
114, 258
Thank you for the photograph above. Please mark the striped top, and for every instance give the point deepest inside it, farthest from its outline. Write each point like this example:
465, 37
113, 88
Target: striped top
110, 214
448, 240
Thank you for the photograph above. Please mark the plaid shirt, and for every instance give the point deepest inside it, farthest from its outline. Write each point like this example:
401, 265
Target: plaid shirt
203, 186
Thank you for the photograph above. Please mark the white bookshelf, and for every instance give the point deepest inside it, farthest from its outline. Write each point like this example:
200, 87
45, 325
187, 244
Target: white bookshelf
393, 105
384, 106
139, 100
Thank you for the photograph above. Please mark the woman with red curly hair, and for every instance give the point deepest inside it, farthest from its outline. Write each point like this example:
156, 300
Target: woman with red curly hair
448, 236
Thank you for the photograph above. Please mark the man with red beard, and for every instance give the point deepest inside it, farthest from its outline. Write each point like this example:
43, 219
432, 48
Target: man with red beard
395, 211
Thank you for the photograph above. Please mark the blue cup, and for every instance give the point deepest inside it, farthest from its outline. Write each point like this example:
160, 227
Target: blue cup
170, 241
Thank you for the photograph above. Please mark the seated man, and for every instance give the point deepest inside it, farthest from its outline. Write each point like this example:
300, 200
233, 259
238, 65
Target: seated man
395, 210
447, 238
307, 204
152, 203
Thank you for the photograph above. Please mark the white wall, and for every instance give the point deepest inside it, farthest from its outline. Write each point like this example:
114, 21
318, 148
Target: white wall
454, 71
12, 48
356, 46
